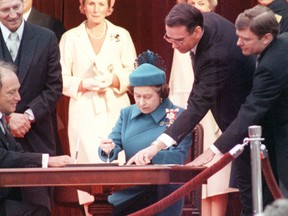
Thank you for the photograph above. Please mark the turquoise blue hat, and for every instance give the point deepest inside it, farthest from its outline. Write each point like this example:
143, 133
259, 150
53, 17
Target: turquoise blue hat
147, 75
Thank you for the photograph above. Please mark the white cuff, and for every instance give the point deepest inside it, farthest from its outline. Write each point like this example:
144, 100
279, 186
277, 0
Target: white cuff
167, 140
215, 150
45, 159
30, 114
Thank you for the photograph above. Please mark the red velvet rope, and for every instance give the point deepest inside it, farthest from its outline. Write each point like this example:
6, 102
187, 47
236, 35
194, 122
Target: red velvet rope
201, 178
186, 188
268, 174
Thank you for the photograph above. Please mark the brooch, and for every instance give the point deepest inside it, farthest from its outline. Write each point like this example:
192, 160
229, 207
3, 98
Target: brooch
171, 115
115, 37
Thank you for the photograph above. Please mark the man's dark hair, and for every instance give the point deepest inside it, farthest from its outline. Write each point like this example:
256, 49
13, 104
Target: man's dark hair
260, 19
184, 14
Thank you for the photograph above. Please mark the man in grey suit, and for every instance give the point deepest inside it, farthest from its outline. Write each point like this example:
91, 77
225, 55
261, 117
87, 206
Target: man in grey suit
39, 72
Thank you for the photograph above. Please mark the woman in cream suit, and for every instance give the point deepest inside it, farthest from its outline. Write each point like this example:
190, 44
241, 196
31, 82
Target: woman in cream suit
97, 58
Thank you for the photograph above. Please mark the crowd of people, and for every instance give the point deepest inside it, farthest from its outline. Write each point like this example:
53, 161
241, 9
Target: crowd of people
239, 75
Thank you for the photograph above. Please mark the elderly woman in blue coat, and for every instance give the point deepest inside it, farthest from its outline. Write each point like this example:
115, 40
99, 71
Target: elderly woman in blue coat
137, 126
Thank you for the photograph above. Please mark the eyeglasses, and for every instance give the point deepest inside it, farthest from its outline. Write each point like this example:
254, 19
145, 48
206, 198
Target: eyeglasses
177, 42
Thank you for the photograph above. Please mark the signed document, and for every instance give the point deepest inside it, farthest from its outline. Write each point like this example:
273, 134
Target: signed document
91, 164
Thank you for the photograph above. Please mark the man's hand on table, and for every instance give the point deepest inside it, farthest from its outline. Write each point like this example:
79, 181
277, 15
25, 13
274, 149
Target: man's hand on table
203, 159
60, 161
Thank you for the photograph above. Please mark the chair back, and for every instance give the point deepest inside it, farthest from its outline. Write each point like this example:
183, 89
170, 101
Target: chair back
192, 205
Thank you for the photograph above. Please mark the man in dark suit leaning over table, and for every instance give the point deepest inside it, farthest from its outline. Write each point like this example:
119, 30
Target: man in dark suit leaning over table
12, 156
266, 105
223, 75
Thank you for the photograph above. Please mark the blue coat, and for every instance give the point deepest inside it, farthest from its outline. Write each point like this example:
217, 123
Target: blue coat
135, 131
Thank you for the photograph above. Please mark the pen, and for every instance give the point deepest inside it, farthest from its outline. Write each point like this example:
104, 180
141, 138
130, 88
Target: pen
77, 149
108, 152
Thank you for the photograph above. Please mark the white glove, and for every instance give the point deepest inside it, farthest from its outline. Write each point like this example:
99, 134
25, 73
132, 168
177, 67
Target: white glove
91, 84
105, 81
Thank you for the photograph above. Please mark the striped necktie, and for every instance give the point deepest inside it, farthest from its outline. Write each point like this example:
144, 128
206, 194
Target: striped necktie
4, 126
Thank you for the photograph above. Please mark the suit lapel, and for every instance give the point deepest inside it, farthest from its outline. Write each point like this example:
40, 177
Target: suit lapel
4, 140
2, 45
27, 49
4, 52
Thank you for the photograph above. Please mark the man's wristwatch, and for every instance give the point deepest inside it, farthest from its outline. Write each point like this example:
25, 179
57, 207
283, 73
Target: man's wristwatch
29, 117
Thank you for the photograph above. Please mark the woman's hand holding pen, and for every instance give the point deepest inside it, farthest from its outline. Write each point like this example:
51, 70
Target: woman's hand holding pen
107, 145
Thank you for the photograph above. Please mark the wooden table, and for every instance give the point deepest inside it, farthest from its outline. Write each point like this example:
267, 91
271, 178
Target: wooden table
98, 175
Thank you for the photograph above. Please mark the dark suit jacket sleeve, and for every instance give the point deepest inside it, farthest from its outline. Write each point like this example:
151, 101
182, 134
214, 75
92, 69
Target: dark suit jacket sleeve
46, 101
174, 154
266, 90
14, 159
207, 86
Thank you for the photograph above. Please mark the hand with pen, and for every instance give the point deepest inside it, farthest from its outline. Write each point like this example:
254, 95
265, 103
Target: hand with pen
107, 145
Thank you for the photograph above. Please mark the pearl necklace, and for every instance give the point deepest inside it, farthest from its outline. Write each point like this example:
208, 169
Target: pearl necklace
94, 36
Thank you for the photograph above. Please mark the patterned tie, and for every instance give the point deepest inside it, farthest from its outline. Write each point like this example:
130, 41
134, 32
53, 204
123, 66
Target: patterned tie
4, 126
6, 132
13, 44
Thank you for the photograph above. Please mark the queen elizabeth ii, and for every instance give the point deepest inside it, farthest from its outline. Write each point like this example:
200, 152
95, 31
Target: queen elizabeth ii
140, 124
